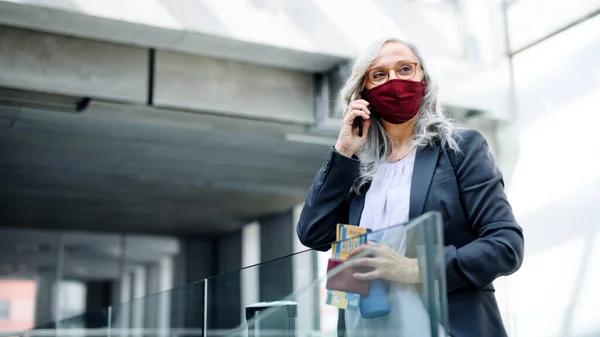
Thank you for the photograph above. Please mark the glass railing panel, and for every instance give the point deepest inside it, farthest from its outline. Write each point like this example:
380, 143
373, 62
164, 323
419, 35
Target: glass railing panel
176, 312
389, 309
93, 324
223, 304
270, 299
228, 294
12, 334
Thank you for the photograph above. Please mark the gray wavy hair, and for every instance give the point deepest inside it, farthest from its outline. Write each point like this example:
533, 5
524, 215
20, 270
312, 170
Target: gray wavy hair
432, 124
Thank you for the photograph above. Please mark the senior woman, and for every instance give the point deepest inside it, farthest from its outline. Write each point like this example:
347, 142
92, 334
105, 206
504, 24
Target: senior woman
410, 160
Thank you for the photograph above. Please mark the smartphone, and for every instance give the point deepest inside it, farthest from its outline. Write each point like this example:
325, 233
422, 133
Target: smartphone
358, 123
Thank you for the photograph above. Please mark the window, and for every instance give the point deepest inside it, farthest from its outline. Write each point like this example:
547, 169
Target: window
4, 309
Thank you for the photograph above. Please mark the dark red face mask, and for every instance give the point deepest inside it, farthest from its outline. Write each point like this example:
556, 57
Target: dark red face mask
396, 101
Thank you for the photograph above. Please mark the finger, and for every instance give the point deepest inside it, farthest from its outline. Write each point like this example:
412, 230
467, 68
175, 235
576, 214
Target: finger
360, 105
360, 101
363, 262
368, 276
369, 246
356, 251
349, 119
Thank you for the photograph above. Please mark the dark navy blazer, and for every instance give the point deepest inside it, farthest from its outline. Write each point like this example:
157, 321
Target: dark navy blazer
481, 237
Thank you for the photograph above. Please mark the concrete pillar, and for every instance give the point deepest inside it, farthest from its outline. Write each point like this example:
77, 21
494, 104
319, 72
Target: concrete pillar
276, 240
304, 274
152, 287
57, 308
44, 299
115, 296
250, 278
198, 258
125, 288
139, 302
195, 262
165, 283
291, 274
72, 301
123, 309
224, 291
98, 298
48, 299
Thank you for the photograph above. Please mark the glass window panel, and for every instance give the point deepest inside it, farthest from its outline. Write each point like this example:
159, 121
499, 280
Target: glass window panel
555, 184
529, 20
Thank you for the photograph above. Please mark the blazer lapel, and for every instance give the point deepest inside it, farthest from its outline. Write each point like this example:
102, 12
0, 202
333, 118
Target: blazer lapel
424, 167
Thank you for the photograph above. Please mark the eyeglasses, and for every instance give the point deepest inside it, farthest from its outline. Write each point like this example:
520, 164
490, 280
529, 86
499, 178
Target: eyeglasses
405, 70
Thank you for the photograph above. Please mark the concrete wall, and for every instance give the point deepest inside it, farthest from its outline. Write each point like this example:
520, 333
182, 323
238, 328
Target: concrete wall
55, 64
253, 82
67, 65
462, 42
307, 27
226, 87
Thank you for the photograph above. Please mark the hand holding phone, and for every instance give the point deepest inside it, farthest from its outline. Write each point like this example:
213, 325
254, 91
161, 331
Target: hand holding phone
359, 123
355, 125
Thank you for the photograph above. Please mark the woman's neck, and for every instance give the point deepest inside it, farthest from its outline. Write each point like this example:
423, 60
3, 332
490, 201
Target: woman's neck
401, 135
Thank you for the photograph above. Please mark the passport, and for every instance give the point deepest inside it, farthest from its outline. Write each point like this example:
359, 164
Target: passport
342, 291
344, 280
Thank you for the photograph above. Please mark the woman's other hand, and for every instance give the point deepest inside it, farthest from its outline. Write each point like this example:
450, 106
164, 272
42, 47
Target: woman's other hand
386, 264
349, 142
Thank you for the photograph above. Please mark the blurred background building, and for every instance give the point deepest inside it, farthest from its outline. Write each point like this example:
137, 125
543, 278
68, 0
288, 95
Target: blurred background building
145, 145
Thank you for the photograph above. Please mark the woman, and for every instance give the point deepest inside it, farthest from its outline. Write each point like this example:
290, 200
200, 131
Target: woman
408, 161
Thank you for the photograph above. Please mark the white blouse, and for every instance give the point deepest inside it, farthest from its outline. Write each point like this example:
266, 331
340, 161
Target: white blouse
388, 199
387, 204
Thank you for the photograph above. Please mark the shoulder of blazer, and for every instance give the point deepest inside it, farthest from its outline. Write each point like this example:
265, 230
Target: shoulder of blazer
468, 140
